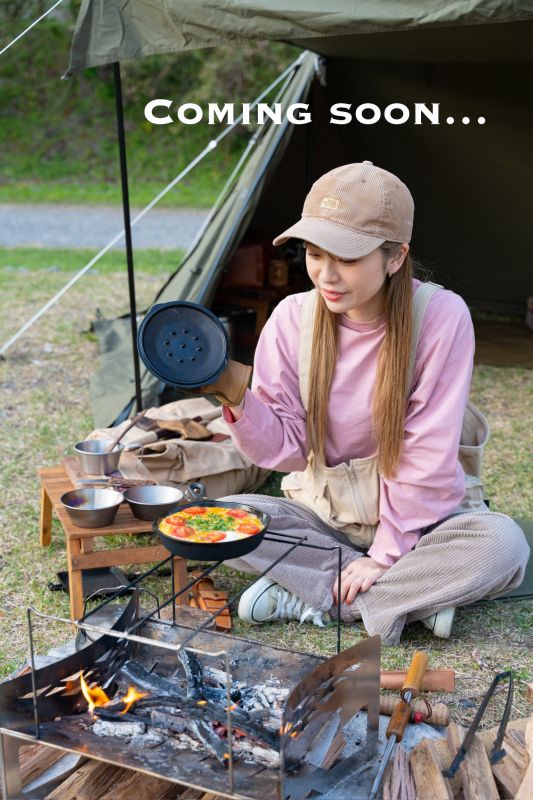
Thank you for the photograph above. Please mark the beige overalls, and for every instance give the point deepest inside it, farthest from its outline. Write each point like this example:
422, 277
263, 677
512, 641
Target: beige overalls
473, 553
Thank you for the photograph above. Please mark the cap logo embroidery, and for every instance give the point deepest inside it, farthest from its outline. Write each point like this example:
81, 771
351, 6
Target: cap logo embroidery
329, 202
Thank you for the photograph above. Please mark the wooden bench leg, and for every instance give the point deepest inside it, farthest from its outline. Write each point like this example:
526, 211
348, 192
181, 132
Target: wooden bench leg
45, 529
180, 580
75, 578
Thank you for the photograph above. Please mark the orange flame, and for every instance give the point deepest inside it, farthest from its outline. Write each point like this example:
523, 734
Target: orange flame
285, 728
131, 697
94, 695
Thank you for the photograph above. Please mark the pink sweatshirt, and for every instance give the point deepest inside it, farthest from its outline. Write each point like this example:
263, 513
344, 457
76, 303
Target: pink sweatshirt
429, 481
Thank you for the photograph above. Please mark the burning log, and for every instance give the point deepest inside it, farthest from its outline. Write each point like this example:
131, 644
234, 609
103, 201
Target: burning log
212, 742
133, 672
193, 674
163, 718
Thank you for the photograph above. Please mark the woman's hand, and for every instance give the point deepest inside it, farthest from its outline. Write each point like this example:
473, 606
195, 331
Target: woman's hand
358, 576
230, 385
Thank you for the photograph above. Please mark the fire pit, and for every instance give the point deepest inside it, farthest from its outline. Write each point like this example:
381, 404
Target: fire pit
174, 699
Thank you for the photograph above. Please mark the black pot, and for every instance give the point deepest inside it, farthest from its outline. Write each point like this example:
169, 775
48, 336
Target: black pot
212, 551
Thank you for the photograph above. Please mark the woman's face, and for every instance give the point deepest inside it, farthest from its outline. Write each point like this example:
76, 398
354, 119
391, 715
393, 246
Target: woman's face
355, 288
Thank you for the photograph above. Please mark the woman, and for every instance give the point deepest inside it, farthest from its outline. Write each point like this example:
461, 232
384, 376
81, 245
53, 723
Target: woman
360, 391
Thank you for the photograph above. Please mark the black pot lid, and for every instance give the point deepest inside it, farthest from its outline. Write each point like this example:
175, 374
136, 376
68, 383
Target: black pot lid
183, 344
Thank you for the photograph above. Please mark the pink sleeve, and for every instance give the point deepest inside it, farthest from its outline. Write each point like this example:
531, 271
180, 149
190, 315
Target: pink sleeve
429, 482
272, 431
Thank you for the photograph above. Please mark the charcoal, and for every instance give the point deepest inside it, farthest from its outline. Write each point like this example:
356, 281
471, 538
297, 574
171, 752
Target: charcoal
193, 674
135, 673
164, 719
206, 735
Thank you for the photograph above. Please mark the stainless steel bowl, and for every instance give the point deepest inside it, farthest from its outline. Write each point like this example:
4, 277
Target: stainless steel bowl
92, 508
149, 502
93, 460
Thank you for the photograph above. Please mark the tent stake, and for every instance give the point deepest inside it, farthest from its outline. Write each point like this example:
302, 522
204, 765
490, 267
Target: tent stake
127, 229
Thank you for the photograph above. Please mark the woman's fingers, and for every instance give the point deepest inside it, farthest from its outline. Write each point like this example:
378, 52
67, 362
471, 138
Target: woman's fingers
354, 588
369, 581
345, 585
352, 583
358, 576
345, 575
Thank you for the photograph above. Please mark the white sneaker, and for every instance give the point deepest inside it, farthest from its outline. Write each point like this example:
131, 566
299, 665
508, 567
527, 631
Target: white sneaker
267, 601
440, 624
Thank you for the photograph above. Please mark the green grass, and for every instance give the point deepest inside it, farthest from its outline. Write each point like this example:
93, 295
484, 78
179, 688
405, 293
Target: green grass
200, 193
35, 259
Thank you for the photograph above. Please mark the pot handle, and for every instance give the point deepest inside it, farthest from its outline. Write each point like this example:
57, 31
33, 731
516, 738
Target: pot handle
196, 490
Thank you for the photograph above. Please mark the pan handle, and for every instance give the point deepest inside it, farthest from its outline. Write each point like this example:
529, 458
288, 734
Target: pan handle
196, 490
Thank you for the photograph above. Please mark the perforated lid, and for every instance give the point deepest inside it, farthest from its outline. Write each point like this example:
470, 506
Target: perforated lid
183, 344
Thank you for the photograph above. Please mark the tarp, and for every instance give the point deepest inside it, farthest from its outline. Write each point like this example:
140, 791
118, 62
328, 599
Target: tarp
468, 30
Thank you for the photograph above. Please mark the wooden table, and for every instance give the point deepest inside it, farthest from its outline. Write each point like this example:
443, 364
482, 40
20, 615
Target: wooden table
80, 541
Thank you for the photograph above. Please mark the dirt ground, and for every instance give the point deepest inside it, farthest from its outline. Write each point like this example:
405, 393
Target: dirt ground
44, 410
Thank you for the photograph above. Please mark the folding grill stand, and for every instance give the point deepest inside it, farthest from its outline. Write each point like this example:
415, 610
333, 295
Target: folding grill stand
11, 741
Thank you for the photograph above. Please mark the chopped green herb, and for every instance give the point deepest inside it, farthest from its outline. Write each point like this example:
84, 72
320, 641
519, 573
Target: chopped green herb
210, 522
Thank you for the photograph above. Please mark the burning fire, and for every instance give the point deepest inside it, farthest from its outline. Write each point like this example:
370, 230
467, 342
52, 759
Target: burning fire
96, 697
131, 697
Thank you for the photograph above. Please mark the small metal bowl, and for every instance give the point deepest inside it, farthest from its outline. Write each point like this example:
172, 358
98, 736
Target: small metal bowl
150, 502
93, 460
92, 508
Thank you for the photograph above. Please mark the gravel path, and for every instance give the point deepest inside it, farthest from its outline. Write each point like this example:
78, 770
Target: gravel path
94, 226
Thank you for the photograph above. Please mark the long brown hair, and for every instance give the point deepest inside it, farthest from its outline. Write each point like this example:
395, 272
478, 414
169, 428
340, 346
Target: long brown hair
392, 371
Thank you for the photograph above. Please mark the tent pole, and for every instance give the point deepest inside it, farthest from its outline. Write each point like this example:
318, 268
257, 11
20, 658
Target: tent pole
127, 229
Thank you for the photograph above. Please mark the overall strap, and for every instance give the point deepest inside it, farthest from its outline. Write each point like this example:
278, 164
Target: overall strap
304, 349
421, 298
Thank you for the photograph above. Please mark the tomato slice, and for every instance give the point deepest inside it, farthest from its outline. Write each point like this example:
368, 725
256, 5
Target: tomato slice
236, 513
195, 510
248, 527
214, 536
176, 519
181, 531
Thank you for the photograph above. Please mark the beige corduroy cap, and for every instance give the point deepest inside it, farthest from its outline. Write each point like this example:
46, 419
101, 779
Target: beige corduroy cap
353, 209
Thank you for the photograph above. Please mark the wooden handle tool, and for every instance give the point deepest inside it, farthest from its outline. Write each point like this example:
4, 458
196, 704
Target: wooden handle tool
129, 426
401, 713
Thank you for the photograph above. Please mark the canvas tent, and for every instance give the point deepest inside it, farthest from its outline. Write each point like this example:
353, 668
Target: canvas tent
472, 183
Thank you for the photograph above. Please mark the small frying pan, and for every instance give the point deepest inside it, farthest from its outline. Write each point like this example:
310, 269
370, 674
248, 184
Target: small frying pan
212, 551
